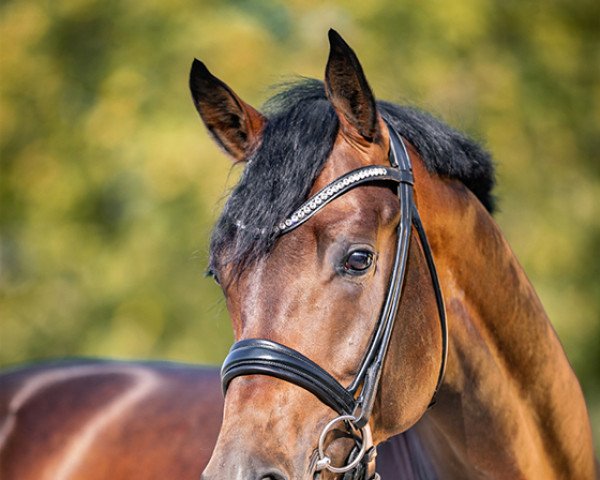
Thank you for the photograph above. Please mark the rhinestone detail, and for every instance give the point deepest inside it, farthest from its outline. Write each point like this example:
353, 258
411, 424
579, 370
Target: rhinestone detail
330, 191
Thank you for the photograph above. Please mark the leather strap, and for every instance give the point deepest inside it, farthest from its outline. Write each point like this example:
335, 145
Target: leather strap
266, 357
338, 187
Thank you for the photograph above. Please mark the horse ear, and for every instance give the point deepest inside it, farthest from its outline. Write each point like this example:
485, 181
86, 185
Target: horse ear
235, 125
348, 90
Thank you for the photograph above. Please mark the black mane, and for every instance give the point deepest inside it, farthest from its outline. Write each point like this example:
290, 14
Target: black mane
296, 143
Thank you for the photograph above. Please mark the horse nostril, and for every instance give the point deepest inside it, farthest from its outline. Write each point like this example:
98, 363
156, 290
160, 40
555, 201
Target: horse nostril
273, 476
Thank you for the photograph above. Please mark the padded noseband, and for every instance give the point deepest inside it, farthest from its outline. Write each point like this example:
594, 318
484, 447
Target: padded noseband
265, 357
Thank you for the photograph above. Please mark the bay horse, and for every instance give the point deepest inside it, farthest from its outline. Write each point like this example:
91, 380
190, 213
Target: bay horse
372, 297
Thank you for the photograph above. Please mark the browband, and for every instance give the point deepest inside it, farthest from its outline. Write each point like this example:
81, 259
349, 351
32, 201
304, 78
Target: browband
337, 188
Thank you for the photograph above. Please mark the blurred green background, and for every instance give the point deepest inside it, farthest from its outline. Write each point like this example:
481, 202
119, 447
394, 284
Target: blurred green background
110, 185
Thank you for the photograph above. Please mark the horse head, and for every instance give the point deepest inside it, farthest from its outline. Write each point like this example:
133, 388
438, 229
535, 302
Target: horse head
317, 289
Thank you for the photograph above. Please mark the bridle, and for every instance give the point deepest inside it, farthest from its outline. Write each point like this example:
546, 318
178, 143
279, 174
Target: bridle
353, 403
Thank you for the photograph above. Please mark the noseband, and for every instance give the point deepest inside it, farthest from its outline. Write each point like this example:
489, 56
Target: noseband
353, 403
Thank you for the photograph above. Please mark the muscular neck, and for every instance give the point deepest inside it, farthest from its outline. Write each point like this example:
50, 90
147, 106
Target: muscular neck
510, 406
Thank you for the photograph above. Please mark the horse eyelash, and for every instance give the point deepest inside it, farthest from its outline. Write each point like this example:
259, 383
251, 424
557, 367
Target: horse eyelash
209, 272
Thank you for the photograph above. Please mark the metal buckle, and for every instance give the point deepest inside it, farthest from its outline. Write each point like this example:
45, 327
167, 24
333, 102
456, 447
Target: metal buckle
324, 462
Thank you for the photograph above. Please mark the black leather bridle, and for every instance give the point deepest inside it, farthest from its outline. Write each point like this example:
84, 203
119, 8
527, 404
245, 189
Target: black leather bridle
353, 403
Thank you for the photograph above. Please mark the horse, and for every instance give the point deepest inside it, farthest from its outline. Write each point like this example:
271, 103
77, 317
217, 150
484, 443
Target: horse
373, 298
371, 292
97, 419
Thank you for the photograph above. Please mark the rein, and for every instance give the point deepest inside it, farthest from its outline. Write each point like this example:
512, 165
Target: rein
353, 403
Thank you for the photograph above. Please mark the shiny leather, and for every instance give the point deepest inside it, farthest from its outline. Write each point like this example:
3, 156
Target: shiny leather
259, 356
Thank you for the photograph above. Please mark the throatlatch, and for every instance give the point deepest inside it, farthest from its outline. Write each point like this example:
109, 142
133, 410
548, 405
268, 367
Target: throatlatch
353, 403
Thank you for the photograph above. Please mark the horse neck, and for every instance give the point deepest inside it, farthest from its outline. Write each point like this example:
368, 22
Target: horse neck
510, 404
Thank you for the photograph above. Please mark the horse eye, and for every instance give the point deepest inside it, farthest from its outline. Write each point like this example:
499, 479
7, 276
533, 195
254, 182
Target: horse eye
358, 262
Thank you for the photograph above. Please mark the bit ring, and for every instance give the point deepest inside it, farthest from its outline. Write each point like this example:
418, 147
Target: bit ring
324, 462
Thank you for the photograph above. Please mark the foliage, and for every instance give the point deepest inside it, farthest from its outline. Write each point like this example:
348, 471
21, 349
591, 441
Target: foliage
110, 185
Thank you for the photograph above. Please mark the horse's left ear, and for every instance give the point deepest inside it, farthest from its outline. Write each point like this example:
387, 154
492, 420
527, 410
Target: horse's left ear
235, 125
348, 90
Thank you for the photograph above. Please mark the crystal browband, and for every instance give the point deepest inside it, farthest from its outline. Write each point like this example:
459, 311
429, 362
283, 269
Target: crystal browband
339, 187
